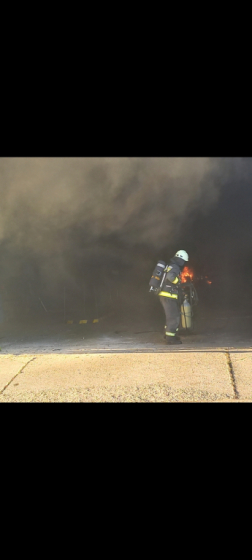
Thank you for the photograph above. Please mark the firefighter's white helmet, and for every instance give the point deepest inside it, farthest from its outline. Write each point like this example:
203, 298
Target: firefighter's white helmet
182, 255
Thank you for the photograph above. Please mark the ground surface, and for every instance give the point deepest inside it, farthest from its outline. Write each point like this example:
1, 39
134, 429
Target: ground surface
120, 359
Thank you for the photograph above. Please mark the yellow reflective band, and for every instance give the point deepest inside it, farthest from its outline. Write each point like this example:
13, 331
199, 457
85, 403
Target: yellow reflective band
166, 294
82, 321
96, 321
170, 334
175, 281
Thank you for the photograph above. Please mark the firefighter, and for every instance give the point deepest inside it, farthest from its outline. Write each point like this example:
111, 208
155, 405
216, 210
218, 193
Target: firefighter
169, 296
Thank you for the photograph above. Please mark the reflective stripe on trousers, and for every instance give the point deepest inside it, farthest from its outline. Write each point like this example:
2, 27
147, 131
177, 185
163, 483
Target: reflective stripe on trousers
167, 294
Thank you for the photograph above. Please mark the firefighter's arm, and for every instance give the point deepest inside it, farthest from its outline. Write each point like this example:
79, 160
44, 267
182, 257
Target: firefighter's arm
173, 276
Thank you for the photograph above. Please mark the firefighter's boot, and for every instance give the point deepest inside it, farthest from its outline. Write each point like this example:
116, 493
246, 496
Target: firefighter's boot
173, 340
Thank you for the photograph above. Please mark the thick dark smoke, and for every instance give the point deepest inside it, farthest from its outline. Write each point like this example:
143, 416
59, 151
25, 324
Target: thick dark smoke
143, 200
59, 215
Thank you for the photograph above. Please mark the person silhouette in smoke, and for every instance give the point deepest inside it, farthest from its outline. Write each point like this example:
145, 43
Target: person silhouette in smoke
169, 295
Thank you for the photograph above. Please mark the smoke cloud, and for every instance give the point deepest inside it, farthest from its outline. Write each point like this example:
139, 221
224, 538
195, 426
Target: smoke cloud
74, 226
141, 200
60, 215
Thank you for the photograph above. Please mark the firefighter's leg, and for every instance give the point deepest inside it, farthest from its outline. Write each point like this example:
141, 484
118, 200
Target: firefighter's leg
162, 301
172, 315
171, 332
175, 316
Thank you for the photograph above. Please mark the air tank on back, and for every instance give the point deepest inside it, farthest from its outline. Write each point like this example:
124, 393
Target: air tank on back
157, 275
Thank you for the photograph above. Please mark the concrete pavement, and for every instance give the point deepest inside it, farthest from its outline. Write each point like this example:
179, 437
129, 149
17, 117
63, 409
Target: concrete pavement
179, 376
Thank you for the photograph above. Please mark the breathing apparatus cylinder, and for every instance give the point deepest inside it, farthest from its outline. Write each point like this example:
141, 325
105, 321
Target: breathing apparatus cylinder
186, 314
157, 276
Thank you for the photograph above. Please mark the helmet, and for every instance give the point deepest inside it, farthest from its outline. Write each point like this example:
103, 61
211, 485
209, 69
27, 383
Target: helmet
182, 255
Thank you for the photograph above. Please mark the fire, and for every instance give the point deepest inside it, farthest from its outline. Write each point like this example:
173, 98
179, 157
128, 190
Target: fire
208, 281
187, 274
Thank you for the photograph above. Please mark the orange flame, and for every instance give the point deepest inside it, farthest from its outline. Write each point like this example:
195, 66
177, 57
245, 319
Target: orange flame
187, 274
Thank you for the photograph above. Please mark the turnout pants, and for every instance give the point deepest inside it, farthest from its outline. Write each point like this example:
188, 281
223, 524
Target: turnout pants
172, 315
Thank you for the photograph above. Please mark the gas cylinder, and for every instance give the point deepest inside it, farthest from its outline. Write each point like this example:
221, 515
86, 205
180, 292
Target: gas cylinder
157, 275
186, 314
